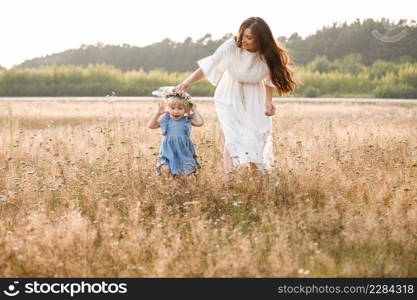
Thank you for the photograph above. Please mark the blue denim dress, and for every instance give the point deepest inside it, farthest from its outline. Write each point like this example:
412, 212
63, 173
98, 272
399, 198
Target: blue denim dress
177, 150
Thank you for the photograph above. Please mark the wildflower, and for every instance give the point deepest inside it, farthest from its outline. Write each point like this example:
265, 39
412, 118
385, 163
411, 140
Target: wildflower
304, 272
189, 203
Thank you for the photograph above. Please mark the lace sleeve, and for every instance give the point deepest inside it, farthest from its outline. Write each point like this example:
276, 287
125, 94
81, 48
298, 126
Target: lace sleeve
214, 66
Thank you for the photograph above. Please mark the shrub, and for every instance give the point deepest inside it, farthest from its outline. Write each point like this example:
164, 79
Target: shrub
400, 90
311, 92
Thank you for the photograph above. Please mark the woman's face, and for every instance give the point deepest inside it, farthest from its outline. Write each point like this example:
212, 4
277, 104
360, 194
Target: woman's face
248, 41
176, 109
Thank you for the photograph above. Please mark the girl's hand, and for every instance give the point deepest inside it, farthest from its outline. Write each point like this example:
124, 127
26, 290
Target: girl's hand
161, 108
270, 109
193, 107
182, 87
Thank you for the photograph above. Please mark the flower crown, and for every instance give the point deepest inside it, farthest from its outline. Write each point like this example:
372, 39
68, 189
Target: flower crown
177, 94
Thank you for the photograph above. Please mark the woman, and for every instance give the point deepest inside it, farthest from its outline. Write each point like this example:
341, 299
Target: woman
245, 69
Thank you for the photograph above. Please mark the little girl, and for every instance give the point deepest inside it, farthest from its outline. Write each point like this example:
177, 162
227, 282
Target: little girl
177, 154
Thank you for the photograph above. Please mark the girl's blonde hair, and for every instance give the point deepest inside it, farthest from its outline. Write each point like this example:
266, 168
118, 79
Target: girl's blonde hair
182, 97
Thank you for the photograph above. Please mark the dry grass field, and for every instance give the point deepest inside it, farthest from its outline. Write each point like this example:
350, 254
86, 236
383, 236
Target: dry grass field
79, 198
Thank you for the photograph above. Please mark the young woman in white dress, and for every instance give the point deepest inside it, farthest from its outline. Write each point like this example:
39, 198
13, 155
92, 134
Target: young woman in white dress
245, 69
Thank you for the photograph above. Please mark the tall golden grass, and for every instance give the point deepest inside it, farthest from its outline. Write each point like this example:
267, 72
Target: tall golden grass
79, 198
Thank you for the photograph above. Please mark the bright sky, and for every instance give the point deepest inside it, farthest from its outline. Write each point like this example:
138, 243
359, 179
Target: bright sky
30, 28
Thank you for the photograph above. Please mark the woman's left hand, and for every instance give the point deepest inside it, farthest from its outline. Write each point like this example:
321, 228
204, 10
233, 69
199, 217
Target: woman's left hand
183, 86
270, 109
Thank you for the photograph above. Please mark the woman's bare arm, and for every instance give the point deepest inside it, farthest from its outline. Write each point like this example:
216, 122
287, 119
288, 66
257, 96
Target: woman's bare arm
270, 108
187, 83
269, 91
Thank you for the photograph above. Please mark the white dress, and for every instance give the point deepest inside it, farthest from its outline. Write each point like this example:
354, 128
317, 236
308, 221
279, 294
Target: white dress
240, 99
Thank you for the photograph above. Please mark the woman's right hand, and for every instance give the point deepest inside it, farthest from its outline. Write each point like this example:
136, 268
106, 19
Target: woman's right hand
183, 87
270, 109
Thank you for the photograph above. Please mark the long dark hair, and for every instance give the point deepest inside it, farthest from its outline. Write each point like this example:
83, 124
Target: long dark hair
276, 57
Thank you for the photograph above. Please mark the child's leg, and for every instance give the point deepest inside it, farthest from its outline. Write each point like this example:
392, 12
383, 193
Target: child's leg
165, 170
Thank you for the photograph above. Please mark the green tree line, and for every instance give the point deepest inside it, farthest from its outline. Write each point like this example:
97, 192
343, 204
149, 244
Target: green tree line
167, 55
372, 39
334, 42
344, 77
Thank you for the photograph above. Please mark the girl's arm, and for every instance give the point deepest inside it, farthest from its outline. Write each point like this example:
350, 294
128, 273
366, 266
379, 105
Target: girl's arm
270, 108
197, 120
187, 83
154, 122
